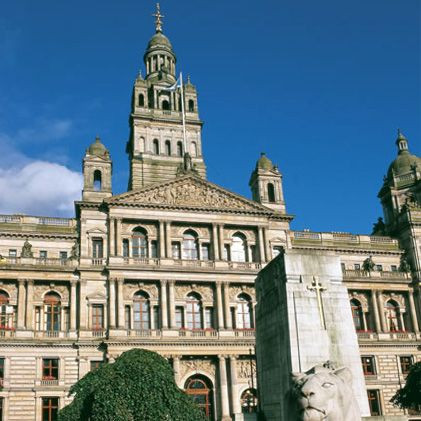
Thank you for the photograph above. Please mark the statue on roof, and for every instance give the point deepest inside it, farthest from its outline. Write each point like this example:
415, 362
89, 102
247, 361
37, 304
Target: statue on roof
379, 228
27, 249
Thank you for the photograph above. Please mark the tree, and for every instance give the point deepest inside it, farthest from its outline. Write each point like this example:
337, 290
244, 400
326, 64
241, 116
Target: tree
410, 396
138, 386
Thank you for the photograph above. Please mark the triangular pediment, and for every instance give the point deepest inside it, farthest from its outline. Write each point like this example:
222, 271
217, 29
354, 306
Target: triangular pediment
189, 192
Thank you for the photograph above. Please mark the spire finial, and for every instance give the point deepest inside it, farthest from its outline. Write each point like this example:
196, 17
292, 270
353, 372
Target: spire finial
158, 18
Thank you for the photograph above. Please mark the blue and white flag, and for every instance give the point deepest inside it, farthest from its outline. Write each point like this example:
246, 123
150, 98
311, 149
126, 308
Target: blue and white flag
171, 88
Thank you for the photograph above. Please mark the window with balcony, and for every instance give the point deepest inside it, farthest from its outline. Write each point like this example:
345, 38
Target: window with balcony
357, 266
227, 254
52, 312
368, 365
205, 250
176, 250
190, 246
97, 317
125, 247
154, 249
141, 311
50, 369
43, 254
374, 402
139, 243
63, 255
343, 267
194, 312
379, 268
393, 317
96, 364
97, 248
406, 364
49, 409
13, 253
128, 317
393, 268
209, 318
156, 318
244, 312
238, 248
7, 320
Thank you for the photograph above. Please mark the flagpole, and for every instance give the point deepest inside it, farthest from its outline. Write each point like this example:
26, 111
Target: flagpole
182, 112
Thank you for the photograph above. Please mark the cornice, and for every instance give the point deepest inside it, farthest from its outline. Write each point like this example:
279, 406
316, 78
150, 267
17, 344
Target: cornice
35, 234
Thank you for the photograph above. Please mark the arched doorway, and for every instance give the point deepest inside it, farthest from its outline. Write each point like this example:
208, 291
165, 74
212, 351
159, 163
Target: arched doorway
199, 388
249, 401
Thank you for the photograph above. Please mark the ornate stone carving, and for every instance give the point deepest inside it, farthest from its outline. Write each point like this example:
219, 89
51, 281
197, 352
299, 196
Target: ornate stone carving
189, 191
190, 367
205, 291
27, 249
40, 290
324, 393
362, 298
234, 291
244, 369
11, 290
129, 289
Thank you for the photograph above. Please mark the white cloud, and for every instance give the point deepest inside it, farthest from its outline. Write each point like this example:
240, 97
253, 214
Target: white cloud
39, 188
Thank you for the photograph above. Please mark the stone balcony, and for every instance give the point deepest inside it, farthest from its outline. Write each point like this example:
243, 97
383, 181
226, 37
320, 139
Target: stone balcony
376, 275
388, 336
44, 224
37, 263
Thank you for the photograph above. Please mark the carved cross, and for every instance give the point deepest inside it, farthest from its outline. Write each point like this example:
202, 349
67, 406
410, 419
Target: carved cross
318, 288
158, 20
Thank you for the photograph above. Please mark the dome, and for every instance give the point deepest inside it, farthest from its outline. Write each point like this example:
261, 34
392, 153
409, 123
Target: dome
159, 40
403, 163
98, 149
264, 162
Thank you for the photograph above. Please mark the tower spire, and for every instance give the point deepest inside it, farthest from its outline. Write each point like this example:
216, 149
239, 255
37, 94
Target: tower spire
158, 18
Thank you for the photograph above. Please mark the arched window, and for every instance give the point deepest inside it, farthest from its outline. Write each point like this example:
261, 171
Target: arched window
199, 389
238, 248
179, 149
141, 145
190, 246
271, 193
193, 149
165, 105
52, 311
249, 401
141, 100
155, 145
357, 315
194, 318
393, 316
191, 106
244, 312
97, 180
141, 311
139, 243
6, 312
168, 147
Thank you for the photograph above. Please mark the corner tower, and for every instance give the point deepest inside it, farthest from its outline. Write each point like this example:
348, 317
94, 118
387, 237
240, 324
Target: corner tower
157, 143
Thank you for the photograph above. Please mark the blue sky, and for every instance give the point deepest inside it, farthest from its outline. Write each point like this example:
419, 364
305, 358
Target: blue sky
321, 87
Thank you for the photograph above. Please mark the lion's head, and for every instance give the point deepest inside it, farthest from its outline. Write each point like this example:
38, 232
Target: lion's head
325, 394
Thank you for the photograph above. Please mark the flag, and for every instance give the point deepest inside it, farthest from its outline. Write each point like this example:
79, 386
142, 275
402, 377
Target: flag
171, 88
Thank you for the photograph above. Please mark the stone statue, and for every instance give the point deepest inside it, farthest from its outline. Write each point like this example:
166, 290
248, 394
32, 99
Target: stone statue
404, 264
379, 228
27, 249
368, 264
74, 254
324, 394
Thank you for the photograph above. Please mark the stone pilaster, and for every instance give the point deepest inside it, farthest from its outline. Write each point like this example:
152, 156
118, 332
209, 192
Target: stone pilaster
111, 303
219, 306
164, 305
120, 303
73, 305
29, 304
235, 399
413, 312
228, 318
223, 389
375, 307
21, 304
171, 304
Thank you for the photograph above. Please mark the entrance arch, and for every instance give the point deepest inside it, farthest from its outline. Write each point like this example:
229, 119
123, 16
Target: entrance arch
199, 388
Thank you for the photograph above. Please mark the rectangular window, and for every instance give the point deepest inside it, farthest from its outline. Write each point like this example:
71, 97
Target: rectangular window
38, 318
343, 266
49, 409
13, 253
379, 268
43, 254
127, 321
205, 249
406, 363
156, 317
179, 317
63, 255
96, 364
1, 372
97, 248
154, 249
369, 368
209, 318
97, 317
175, 250
125, 248
226, 252
394, 268
374, 402
357, 266
253, 249
50, 369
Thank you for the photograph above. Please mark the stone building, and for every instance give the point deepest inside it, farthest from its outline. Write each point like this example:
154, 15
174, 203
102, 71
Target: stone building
170, 266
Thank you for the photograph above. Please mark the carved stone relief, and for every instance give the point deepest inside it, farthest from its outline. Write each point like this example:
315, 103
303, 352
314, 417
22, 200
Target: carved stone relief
40, 290
190, 367
362, 298
11, 290
244, 369
129, 289
234, 291
205, 291
398, 297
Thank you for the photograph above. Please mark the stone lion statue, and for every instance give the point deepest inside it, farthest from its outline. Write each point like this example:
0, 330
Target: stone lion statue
325, 394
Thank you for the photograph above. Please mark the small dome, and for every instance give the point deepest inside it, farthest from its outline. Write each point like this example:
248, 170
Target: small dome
159, 40
403, 163
264, 162
98, 149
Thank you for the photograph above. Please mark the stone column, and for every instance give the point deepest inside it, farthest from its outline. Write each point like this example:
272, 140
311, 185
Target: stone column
118, 237
221, 241
120, 301
215, 248
164, 306
176, 368
161, 240
228, 320
413, 312
171, 303
29, 304
381, 311
235, 399
223, 389
73, 305
261, 245
364, 321
21, 304
219, 307
375, 311
111, 236
111, 303
267, 245
168, 239
82, 304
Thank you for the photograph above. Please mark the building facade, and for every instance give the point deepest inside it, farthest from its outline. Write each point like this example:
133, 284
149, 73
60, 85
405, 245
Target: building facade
170, 266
